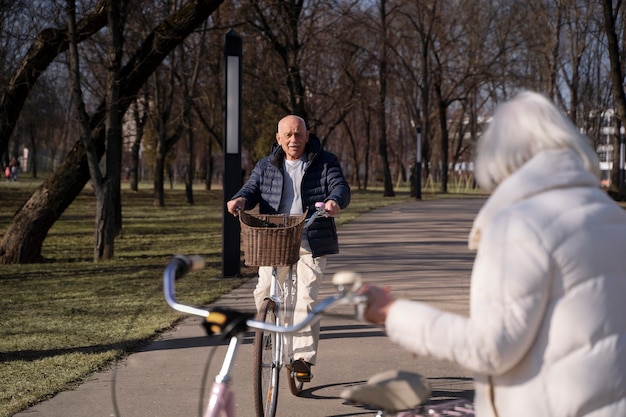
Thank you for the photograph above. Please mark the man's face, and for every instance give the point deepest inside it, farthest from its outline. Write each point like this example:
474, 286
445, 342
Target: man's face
292, 137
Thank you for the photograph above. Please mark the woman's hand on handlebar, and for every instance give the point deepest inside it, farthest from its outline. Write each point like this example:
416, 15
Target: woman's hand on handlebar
235, 205
378, 303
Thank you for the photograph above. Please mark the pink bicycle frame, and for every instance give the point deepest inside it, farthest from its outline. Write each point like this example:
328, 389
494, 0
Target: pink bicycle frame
222, 401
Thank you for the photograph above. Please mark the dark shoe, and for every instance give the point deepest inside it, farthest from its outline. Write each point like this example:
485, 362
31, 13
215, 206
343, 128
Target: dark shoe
302, 370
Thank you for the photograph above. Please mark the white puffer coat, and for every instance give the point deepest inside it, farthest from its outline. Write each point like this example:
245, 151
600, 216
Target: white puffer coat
546, 336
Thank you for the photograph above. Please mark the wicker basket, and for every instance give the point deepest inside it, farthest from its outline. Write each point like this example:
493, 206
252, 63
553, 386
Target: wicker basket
271, 239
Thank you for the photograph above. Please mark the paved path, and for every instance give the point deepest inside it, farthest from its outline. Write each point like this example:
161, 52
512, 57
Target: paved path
418, 248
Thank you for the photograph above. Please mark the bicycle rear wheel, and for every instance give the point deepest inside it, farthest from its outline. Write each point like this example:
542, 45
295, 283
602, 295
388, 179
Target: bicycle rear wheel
266, 364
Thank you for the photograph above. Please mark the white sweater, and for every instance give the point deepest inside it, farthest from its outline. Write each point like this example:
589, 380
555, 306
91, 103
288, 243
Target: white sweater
546, 336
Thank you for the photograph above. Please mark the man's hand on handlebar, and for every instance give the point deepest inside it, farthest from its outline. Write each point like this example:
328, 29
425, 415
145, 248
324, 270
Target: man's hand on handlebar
235, 205
331, 207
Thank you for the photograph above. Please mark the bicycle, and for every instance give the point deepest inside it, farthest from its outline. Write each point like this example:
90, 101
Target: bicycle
392, 393
234, 324
274, 240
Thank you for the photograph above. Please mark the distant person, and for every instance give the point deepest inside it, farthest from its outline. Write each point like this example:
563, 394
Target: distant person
15, 166
298, 173
546, 332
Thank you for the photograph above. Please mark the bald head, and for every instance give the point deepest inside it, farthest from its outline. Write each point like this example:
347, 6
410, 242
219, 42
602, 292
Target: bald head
292, 136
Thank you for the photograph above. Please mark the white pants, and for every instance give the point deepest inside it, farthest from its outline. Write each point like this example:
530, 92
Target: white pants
309, 271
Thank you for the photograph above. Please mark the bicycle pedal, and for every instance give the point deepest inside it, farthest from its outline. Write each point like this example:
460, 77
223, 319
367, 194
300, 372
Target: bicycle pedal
301, 370
302, 377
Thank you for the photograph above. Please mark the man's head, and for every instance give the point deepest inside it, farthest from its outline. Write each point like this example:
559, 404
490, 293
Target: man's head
292, 136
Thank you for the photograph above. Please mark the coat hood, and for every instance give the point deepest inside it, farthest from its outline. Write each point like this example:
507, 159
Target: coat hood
558, 168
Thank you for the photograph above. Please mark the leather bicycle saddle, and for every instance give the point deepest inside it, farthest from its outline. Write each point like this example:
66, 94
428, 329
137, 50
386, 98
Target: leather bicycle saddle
392, 391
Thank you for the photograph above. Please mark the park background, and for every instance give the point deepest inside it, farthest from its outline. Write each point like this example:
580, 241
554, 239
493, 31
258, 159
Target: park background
115, 111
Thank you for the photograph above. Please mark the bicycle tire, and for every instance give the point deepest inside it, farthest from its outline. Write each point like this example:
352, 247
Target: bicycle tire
266, 364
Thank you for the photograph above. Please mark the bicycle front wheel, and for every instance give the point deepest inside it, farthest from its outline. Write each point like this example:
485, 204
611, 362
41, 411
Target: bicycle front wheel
266, 364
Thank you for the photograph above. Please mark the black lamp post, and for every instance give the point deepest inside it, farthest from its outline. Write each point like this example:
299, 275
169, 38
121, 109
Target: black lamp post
231, 256
418, 164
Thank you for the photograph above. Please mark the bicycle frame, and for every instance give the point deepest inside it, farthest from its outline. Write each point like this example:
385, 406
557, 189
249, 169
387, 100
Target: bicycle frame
222, 398
282, 293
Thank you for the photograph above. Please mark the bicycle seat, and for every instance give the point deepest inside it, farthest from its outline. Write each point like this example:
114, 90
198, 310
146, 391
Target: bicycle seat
391, 391
347, 278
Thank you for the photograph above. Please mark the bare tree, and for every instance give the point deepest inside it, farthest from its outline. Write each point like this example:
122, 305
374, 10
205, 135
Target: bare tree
24, 237
138, 116
375, 43
45, 48
190, 84
383, 63
616, 75
279, 22
106, 186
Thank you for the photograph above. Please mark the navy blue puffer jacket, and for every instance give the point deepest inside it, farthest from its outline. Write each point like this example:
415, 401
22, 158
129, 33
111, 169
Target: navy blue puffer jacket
323, 180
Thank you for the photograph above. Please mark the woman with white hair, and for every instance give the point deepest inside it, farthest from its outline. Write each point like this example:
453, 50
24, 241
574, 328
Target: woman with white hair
546, 333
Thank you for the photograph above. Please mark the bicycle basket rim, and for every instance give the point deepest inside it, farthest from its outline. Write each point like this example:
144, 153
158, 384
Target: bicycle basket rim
271, 239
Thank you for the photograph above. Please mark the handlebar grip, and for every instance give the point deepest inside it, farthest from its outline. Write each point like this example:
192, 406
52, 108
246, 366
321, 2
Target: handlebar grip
320, 204
347, 278
197, 263
185, 264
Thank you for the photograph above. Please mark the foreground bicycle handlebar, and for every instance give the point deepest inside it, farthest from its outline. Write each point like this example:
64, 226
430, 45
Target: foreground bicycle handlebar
220, 320
389, 392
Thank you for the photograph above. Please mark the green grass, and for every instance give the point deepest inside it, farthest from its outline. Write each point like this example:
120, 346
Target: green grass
69, 317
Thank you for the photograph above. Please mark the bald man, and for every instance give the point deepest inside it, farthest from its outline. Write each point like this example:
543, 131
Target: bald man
296, 174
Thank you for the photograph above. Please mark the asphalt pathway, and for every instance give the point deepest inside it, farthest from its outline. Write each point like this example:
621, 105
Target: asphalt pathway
419, 249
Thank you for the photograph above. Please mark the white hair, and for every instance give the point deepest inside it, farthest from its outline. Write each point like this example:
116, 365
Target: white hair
300, 119
521, 128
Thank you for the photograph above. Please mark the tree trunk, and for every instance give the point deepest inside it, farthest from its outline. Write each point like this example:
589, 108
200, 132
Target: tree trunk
23, 239
159, 177
190, 169
208, 165
617, 89
134, 164
109, 224
382, 151
382, 108
139, 118
32, 155
106, 229
354, 153
445, 140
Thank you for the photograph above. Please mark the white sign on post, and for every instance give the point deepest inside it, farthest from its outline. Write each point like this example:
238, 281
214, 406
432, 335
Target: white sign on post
232, 104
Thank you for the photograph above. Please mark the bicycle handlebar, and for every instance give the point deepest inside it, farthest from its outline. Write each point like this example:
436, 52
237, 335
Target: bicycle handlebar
177, 267
220, 320
320, 211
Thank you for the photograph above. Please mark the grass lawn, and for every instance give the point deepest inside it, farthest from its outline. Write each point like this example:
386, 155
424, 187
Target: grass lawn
69, 317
